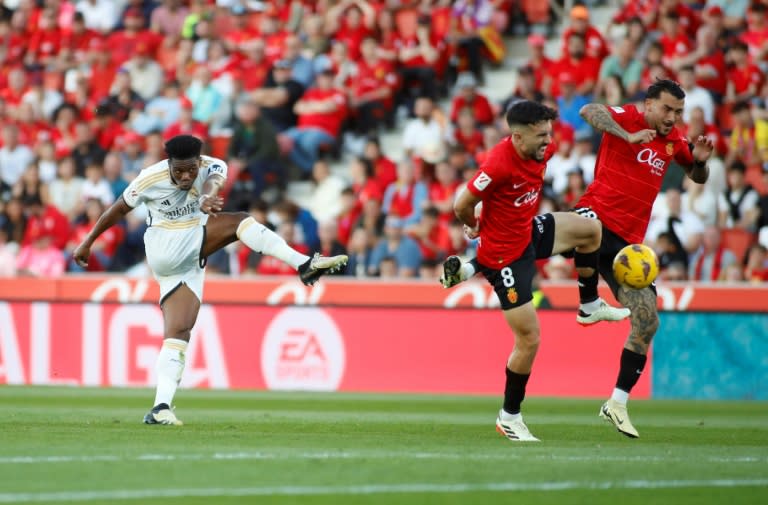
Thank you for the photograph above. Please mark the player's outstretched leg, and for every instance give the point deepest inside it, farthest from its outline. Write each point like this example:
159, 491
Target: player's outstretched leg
456, 272
317, 266
261, 239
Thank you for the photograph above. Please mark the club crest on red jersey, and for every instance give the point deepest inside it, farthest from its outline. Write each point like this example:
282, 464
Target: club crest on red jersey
670, 149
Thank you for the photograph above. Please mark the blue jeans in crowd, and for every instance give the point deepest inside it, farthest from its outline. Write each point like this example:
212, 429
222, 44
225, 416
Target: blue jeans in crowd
306, 146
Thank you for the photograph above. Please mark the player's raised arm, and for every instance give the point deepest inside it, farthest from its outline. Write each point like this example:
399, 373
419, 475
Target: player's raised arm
109, 218
209, 200
598, 116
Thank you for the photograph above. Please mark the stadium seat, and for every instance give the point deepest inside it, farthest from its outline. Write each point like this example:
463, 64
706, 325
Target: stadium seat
219, 146
737, 240
754, 177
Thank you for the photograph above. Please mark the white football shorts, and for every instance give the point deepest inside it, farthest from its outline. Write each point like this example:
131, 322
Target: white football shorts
173, 254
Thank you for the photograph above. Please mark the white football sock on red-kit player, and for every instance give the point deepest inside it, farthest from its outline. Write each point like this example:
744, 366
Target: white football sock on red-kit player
263, 240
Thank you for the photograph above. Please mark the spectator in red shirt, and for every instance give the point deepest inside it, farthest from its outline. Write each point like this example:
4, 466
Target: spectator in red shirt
255, 66
122, 44
595, 43
538, 61
384, 169
467, 134
350, 21
418, 56
186, 125
321, 111
442, 191
744, 77
104, 247
674, 41
14, 89
430, 234
45, 41
78, 39
469, 97
584, 69
44, 220
372, 89
168, 19
708, 63
14, 38
756, 35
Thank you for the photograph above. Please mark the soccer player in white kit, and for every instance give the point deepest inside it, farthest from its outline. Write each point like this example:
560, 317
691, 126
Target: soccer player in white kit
185, 227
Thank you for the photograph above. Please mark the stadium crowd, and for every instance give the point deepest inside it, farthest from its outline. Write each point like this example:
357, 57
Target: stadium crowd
286, 90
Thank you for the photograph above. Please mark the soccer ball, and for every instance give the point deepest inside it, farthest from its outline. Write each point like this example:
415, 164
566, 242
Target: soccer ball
636, 266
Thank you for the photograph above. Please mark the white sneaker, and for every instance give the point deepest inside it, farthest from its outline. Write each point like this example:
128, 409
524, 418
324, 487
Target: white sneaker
617, 414
451, 272
162, 414
603, 313
514, 430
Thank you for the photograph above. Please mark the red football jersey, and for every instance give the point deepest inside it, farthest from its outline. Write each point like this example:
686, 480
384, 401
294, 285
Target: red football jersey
510, 188
628, 176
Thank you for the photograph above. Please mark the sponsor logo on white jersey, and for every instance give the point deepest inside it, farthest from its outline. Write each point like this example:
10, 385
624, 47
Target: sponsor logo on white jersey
303, 349
482, 181
651, 158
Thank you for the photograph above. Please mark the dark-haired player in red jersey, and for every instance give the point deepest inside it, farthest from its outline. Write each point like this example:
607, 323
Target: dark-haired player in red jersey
634, 155
512, 237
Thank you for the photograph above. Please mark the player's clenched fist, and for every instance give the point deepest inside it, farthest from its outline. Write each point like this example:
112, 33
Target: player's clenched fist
211, 204
81, 255
641, 137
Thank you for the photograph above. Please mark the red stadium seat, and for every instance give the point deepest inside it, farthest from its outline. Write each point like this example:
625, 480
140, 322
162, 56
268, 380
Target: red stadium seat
219, 146
737, 240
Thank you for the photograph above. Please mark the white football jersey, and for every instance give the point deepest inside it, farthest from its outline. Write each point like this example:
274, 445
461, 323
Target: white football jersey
167, 205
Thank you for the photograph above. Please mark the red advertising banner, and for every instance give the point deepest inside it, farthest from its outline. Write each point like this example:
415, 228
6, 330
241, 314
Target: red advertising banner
364, 293
306, 348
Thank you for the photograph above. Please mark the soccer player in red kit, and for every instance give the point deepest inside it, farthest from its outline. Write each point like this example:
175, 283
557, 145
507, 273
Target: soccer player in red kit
512, 237
634, 155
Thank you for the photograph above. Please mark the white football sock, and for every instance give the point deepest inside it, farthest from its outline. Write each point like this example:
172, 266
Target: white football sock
467, 271
506, 416
620, 396
263, 240
169, 367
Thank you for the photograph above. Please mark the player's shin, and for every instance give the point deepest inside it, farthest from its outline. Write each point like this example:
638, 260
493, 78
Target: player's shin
586, 268
169, 367
263, 240
514, 391
631, 367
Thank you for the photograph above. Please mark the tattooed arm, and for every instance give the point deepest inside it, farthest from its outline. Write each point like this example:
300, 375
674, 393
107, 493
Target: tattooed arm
644, 318
599, 118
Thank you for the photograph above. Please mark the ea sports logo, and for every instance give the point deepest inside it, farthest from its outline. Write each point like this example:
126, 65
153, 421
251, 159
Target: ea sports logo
303, 350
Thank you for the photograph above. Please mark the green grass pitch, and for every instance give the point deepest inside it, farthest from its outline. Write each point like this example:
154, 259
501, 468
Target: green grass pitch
72, 445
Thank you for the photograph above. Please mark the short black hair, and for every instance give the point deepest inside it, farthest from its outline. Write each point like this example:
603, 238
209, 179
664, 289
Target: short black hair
664, 86
183, 147
527, 112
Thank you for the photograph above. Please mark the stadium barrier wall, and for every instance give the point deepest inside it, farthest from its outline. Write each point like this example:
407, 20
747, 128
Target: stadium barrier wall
372, 336
711, 356
304, 348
